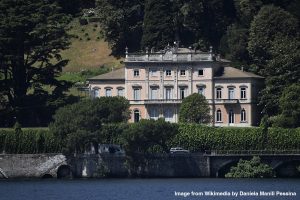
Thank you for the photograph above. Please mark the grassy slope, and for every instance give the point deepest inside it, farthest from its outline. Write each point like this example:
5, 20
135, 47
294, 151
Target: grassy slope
88, 51
88, 55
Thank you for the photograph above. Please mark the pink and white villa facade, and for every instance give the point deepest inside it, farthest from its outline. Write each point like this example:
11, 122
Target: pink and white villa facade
156, 82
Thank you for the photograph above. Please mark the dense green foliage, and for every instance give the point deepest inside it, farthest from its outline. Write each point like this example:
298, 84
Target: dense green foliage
29, 141
121, 23
32, 36
79, 124
200, 138
148, 136
194, 109
158, 24
145, 138
250, 169
289, 104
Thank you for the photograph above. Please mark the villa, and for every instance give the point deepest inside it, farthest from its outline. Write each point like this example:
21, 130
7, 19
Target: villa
156, 82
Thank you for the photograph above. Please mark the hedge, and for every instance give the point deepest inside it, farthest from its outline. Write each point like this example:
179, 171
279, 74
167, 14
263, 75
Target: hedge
200, 138
284, 139
28, 141
194, 137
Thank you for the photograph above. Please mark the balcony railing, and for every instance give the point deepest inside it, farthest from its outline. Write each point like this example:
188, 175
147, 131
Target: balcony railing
172, 57
227, 101
163, 101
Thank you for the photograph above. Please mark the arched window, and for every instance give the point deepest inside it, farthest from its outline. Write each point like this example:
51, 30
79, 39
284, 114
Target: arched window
219, 115
136, 115
243, 115
231, 117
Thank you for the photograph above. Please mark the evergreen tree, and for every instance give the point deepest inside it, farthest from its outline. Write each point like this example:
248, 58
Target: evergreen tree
158, 26
121, 23
32, 34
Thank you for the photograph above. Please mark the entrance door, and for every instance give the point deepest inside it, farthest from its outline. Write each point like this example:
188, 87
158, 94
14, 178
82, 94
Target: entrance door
136, 116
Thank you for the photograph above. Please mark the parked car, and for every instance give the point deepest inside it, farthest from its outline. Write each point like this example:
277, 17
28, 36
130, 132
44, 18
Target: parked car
111, 148
178, 150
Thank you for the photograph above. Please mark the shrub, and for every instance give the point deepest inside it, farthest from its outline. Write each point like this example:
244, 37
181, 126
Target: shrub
250, 169
83, 21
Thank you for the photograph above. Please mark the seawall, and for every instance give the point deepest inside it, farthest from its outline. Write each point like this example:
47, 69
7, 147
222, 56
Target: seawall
96, 165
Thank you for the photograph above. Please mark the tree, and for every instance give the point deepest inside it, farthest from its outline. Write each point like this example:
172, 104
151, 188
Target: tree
32, 35
194, 109
236, 41
145, 138
158, 26
281, 72
250, 169
289, 104
79, 124
246, 10
268, 26
121, 23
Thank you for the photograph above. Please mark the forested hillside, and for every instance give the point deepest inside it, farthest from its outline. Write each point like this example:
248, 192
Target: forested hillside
261, 36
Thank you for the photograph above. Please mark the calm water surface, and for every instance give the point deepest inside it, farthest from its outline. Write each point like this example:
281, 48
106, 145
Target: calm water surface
143, 189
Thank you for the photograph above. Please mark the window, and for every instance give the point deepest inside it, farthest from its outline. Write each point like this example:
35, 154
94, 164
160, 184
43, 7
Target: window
153, 72
121, 92
108, 92
201, 90
182, 72
154, 93
136, 73
230, 93
136, 116
96, 92
136, 94
168, 115
219, 93
200, 72
154, 113
219, 115
168, 94
231, 117
243, 115
168, 72
243, 93
182, 93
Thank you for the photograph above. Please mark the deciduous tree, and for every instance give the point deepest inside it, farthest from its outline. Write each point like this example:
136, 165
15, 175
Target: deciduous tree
80, 123
250, 169
194, 109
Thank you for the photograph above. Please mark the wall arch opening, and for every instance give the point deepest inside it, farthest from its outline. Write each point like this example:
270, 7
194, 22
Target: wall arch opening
64, 171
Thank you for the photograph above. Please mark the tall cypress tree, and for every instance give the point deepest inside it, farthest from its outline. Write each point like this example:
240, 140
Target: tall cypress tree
32, 34
158, 24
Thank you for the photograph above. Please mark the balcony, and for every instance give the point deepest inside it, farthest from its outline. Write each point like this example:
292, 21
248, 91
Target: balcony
175, 57
163, 101
226, 101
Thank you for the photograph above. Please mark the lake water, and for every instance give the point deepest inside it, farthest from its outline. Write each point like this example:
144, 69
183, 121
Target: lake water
149, 189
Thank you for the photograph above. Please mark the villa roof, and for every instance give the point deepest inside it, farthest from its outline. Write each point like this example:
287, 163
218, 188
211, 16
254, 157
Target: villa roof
231, 72
116, 75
